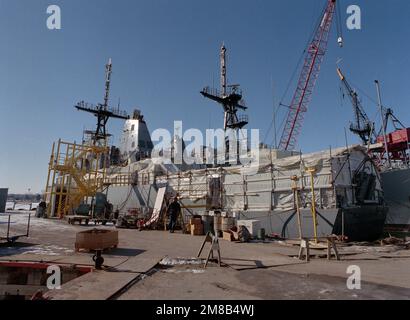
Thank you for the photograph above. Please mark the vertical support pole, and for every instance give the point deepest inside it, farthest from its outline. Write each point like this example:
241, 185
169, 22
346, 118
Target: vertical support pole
386, 148
57, 193
62, 209
69, 200
272, 202
100, 157
28, 224
295, 189
328, 249
313, 205
46, 192
245, 195
8, 228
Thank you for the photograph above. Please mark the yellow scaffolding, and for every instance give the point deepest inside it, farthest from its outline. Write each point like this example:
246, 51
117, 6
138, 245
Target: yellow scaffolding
75, 173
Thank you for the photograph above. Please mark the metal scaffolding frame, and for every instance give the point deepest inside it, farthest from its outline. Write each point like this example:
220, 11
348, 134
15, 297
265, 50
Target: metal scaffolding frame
76, 172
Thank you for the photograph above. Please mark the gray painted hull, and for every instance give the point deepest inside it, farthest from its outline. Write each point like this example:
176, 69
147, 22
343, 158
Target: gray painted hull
284, 224
356, 220
125, 198
396, 187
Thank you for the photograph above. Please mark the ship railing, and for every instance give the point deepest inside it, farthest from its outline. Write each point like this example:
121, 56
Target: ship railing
217, 93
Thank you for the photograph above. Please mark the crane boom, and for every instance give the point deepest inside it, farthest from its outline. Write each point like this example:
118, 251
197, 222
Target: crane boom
362, 126
307, 80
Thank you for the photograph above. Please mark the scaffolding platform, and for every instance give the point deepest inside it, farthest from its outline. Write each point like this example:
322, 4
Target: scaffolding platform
76, 172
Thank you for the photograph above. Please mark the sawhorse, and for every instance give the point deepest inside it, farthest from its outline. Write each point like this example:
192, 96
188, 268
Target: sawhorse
214, 246
304, 250
332, 245
304, 246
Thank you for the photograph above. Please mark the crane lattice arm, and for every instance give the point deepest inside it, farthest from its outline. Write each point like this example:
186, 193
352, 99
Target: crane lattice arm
307, 80
362, 126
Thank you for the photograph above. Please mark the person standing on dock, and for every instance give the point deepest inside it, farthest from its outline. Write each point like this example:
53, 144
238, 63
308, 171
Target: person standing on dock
174, 210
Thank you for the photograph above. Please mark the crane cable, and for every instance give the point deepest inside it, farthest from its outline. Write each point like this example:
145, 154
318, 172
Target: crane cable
339, 23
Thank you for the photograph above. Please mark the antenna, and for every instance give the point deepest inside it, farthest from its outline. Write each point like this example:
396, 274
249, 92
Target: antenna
223, 70
108, 72
230, 98
102, 111
274, 116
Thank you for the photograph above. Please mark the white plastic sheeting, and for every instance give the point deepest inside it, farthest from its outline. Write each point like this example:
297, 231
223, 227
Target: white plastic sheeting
270, 189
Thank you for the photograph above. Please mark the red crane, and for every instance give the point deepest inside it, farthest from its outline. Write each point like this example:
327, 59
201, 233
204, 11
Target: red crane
307, 80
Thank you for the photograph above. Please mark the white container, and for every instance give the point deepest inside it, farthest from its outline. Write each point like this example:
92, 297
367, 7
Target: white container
253, 226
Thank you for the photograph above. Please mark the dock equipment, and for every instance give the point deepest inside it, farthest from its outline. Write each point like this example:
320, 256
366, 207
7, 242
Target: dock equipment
305, 246
102, 111
385, 147
13, 238
314, 55
311, 172
75, 173
362, 125
230, 98
214, 241
296, 199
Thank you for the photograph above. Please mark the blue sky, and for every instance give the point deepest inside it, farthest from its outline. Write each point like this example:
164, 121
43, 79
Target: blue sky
165, 51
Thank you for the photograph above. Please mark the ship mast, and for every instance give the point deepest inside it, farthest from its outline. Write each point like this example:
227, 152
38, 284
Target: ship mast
230, 98
102, 111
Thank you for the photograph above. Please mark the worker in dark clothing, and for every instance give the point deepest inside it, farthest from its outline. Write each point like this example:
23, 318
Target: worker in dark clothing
173, 211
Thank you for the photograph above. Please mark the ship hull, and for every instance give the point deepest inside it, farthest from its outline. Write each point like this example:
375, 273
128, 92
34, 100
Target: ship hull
360, 223
396, 187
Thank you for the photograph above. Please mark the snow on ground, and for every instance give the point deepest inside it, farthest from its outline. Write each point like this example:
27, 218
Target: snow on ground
18, 226
44, 250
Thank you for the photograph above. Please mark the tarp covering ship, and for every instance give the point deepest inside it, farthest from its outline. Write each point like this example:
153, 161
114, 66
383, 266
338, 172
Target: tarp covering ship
346, 191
